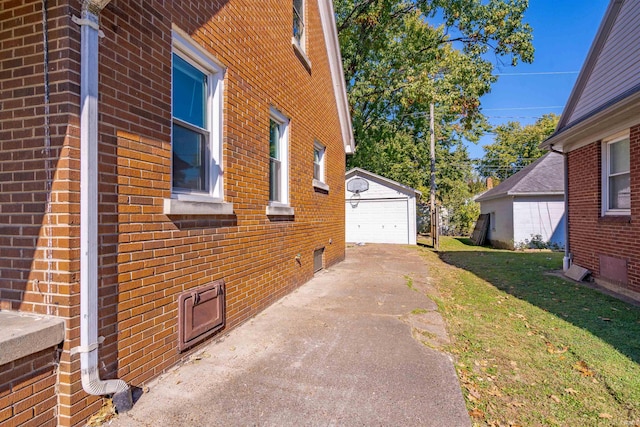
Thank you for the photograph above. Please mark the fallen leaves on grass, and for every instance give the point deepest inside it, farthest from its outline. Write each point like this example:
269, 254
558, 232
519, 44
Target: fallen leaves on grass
476, 413
495, 391
554, 398
605, 416
570, 391
555, 350
583, 368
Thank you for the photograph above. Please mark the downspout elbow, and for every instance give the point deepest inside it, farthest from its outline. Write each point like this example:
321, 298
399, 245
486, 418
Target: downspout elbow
120, 390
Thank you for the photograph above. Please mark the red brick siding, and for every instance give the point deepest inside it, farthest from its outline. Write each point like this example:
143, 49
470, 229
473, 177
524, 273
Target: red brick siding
147, 258
27, 390
38, 242
590, 234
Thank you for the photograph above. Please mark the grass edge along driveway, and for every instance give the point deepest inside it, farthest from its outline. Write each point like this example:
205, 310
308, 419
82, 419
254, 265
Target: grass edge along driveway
533, 348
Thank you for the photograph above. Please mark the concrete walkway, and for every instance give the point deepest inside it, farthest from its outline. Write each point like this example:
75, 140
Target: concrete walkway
343, 350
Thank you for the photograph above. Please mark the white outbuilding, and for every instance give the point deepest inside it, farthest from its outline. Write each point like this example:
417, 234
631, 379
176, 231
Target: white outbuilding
379, 210
527, 206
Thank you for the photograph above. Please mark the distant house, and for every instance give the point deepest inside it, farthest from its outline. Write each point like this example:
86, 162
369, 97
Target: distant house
599, 133
379, 210
168, 169
528, 205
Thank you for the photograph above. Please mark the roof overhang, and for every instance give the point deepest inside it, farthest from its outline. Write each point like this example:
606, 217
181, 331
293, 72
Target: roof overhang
618, 115
512, 194
382, 180
337, 74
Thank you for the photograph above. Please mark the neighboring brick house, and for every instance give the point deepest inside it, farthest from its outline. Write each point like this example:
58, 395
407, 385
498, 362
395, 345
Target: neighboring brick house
599, 132
196, 142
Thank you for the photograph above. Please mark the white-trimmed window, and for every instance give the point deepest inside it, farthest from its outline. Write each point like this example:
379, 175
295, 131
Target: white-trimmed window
616, 177
278, 158
196, 141
319, 151
298, 24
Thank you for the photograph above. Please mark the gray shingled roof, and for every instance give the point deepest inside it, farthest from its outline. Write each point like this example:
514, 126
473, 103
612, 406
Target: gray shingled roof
545, 176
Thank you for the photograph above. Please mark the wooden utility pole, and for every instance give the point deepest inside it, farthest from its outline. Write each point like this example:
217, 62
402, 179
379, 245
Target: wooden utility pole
432, 199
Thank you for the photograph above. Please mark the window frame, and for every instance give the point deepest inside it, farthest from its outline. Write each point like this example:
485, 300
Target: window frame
320, 182
195, 56
301, 40
606, 210
300, 43
283, 149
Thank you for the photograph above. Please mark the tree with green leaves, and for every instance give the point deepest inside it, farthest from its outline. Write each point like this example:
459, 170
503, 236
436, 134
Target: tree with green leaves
515, 146
400, 56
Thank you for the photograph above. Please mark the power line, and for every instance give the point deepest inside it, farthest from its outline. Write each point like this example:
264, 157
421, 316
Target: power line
537, 73
523, 108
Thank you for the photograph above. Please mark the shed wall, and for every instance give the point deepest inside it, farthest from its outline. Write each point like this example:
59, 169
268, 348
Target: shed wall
538, 216
500, 232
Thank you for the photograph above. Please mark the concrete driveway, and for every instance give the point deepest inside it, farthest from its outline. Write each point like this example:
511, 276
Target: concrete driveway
357, 345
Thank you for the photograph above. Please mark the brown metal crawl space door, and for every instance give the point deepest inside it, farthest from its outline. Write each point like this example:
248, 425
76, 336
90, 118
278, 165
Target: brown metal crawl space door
201, 313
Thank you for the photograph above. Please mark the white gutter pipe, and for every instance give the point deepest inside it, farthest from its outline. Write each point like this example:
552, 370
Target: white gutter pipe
89, 341
566, 260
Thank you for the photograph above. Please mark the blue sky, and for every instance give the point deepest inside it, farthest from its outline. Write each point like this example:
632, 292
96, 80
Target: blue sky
562, 34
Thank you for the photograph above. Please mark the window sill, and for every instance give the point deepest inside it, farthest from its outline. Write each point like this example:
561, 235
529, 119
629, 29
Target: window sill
301, 54
320, 185
197, 207
278, 209
615, 219
24, 334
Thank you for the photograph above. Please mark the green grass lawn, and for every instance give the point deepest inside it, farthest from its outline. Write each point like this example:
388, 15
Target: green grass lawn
533, 348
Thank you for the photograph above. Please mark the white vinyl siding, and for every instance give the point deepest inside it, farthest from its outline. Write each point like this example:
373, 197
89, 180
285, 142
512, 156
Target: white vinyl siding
385, 213
501, 211
617, 69
539, 216
518, 219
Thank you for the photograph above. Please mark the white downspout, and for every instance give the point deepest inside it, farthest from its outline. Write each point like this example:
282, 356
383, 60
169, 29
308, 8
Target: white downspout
89, 340
566, 260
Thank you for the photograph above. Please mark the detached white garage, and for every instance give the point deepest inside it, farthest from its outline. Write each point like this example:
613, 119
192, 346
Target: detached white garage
379, 210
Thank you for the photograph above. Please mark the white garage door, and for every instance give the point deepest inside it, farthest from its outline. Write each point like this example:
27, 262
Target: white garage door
377, 221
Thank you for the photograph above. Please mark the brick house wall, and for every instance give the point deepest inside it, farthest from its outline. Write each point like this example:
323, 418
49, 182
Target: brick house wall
592, 235
27, 391
147, 258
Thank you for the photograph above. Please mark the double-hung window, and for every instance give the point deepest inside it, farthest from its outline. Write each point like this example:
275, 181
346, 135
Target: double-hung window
616, 177
319, 166
299, 38
298, 24
196, 95
278, 159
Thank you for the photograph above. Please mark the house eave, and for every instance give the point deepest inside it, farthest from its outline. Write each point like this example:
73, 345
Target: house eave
597, 45
330, 31
391, 183
512, 194
605, 121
